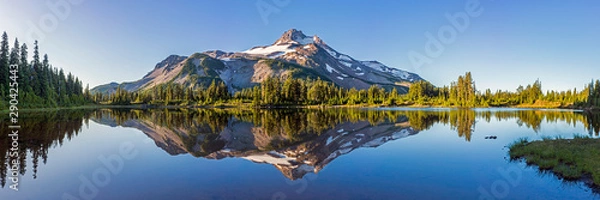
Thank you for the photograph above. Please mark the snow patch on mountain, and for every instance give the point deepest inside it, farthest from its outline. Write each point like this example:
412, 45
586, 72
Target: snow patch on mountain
330, 52
271, 50
382, 68
329, 140
275, 55
329, 68
382, 140
305, 41
372, 64
270, 158
345, 58
347, 64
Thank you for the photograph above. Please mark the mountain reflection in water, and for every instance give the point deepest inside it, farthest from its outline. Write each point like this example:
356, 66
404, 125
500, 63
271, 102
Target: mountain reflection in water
295, 141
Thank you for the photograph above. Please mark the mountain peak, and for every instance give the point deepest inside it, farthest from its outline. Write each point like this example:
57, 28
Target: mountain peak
294, 36
294, 31
317, 40
170, 60
294, 55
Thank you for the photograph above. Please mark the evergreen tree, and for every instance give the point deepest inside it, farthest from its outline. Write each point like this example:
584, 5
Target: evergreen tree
86, 92
4, 65
537, 90
70, 84
453, 96
316, 93
288, 90
15, 53
43, 78
371, 94
37, 71
353, 97
596, 101
62, 88
40, 84
469, 87
392, 98
25, 70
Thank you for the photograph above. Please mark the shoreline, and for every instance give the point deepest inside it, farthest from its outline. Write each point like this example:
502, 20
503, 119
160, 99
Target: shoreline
246, 105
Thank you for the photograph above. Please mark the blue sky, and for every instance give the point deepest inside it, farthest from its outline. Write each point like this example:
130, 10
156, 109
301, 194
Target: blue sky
510, 43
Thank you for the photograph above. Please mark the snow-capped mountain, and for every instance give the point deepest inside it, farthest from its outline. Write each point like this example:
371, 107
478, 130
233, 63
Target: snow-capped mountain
301, 56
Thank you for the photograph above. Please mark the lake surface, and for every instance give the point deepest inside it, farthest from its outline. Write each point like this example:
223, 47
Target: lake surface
391, 153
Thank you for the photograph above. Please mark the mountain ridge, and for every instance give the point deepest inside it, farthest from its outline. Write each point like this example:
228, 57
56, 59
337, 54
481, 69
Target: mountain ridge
294, 55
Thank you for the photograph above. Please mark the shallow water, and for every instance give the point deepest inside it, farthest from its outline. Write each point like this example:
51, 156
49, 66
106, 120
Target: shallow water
391, 153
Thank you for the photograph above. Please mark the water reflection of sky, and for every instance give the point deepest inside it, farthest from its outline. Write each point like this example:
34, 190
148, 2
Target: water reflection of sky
434, 164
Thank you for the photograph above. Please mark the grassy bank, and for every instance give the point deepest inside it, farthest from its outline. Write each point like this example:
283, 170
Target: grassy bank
571, 159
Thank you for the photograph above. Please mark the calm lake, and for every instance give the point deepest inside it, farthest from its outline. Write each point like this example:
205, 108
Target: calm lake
391, 153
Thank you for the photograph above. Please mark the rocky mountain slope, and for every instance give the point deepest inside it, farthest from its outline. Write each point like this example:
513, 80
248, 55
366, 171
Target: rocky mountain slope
292, 55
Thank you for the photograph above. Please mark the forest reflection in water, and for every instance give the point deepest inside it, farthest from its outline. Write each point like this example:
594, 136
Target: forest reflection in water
295, 141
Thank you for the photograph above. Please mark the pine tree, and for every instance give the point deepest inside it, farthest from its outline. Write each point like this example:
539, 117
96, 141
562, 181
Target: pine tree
461, 91
15, 52
256, 95
353, 96
591, 93
317, 91
212, 93
287, 90
270, 91
86, 92
537, 90
62, 88
392, 98
25, 70
37, 70
78, 86
470, 90
44, 79
70, 84
453, 96
4, 64
597, 93
373, 94
223, 91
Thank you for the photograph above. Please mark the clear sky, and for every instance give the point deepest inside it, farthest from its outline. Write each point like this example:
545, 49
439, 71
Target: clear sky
509, 43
